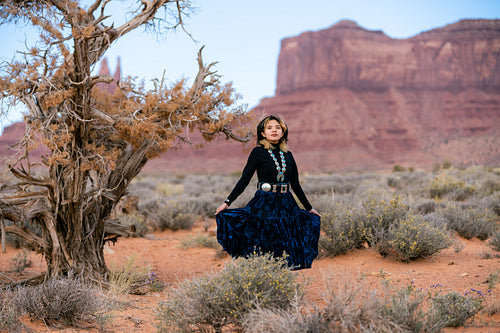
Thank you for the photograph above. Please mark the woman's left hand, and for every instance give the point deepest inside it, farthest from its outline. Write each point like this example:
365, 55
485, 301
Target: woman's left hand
221, 208
315, 212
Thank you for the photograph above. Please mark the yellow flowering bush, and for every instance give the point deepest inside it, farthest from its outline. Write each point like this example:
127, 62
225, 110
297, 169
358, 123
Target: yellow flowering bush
381, 215
217, 300
413, 237
446, 185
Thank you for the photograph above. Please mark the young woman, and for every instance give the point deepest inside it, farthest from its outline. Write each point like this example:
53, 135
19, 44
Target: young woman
271, 221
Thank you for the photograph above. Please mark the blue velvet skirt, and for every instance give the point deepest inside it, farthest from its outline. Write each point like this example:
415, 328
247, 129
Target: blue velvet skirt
271, 223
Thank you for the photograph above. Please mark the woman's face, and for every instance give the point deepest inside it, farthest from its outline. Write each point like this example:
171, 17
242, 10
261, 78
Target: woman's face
273, 131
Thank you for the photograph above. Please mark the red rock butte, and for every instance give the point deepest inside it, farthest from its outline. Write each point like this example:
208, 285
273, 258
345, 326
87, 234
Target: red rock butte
358, 100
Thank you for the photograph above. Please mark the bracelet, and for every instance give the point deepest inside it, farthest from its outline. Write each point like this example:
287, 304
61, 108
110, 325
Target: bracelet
227, 201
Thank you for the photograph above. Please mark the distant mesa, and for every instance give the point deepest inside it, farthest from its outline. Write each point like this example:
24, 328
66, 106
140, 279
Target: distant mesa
358, 100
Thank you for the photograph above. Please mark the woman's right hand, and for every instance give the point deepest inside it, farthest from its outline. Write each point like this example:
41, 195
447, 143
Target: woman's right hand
221, 208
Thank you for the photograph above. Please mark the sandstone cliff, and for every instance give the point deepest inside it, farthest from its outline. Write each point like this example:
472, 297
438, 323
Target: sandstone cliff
356, 99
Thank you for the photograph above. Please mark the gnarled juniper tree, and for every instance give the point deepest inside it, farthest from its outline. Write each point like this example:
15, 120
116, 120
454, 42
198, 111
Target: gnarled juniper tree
97, 142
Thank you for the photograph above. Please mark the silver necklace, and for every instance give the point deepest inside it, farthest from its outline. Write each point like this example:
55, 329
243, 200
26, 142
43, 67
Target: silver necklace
281, 170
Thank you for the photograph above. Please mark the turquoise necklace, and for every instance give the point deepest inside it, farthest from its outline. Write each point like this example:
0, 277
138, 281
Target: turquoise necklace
281, 170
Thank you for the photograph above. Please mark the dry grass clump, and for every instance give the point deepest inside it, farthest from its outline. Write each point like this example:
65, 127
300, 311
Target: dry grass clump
214, 301
201, 241
124, 278
60, 301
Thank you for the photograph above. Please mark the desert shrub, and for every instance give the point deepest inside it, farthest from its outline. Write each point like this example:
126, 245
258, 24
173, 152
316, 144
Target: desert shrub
489, 185
143, 186
494, 241
20, 261
350, 309
174, 214
280, 321
470, 222
405, 307
169, 189
214, 301
426, 207
445, 185
398, 168
60, 300
343, 230
393, 181
410, 182
462, 193
354, 306
413, 237
379, 191
200, 240
491, 308
9, 314
324, 202
350, 306
493, 202
138, 221
197, 184
206, 203
446, 164
480, 177
454, 309
326, 184
381, 215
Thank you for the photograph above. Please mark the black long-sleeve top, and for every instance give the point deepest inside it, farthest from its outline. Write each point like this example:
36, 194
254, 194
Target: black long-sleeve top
260, 160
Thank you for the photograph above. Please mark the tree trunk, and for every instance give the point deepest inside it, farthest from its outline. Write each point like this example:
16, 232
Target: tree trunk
77, 239
3, 234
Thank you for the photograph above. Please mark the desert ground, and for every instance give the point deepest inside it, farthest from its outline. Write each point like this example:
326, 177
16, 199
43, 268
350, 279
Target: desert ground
163, 254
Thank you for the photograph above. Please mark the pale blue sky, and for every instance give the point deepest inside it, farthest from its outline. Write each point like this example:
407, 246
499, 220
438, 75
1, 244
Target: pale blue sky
244, 36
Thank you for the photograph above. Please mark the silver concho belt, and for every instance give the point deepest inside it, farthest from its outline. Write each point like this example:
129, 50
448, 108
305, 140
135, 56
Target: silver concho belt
273, 187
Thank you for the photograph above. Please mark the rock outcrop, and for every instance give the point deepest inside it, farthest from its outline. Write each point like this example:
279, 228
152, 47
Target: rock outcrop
356, 99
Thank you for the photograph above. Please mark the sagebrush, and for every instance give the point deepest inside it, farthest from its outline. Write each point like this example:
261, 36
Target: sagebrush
218, 300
